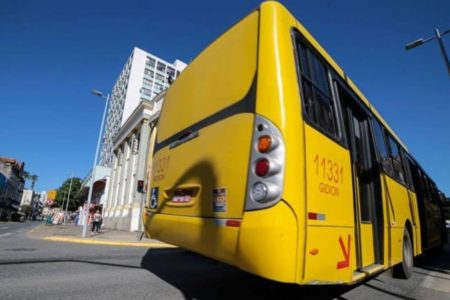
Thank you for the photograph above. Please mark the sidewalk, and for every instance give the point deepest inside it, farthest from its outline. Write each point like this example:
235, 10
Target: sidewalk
108, 237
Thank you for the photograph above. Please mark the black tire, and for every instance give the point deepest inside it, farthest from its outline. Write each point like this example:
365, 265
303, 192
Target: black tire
404, 270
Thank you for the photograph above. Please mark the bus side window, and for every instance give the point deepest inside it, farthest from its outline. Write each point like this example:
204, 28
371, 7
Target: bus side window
399, 174
434, 192
318, 104
426, 187
406, 167
380, 142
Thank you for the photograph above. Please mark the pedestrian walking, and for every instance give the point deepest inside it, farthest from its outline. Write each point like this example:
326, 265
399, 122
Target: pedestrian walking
77, 218
96, 221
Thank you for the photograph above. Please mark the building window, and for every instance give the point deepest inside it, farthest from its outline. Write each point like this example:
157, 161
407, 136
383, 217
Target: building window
161, 67
150, 62
171, 72
148, 82
146, 91
160, 77
148, 72
158, 87
318, 105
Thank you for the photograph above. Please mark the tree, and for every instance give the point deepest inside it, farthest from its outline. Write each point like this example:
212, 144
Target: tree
26, 175
63, 192
33, 179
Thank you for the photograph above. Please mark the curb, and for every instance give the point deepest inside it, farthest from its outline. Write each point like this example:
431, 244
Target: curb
106, 243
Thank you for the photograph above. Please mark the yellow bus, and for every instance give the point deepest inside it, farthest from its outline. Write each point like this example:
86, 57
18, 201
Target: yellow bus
269, 158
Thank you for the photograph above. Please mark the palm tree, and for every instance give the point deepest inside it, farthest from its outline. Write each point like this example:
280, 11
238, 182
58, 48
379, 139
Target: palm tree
26, 176
33, 179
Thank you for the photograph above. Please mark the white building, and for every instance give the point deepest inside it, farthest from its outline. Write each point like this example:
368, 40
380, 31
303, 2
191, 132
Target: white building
43, 197
27, 196
143, 77
123, 206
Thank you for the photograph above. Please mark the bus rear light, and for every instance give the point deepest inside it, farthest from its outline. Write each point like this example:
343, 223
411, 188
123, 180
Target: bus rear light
316, 216
262, 167
266, 170
259, 192
264, 143
312, 216
233, 223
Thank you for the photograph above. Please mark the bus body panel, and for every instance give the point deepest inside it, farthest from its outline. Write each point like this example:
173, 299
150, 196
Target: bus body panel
397, 204
203, 145
415, 220
278, 99
205, 168
330, 255
329, 190
267, 243
206, 236
218, 78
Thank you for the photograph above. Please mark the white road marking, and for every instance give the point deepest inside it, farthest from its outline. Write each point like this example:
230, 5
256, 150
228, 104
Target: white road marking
5, 234
4, 228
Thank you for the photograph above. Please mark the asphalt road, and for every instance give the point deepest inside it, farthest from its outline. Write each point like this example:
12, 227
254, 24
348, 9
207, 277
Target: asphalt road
36, 269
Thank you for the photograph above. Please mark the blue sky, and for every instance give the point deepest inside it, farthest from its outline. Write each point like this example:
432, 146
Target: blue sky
53, 52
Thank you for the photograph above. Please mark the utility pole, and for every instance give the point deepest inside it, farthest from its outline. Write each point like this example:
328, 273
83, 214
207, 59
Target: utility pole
64, 200
437, 36
94, 167
68, 199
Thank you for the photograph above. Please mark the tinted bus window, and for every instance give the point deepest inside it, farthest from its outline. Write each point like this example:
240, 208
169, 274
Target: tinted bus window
396, 160
385, 160
318, 104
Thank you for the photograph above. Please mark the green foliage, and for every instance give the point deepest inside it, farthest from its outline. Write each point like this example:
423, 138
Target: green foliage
63, 193
32, 178
26, 176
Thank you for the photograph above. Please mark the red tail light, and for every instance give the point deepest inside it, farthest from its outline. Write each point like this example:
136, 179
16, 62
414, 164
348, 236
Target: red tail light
262, 167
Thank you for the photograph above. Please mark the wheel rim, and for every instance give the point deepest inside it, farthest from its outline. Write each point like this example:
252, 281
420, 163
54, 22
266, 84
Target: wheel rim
407, 252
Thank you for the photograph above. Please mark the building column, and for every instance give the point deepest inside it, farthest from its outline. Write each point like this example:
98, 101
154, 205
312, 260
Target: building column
111, 186
130, 170
115, 195
123, 177
141, 171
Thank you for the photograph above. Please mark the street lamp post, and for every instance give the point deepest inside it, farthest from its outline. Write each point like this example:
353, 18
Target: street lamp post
438, 37
98, 94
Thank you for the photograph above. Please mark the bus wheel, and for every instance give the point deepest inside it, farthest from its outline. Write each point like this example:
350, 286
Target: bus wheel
405, 268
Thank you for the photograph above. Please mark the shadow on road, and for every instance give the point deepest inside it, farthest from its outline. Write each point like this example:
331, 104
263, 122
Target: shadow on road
436, 261
198, 277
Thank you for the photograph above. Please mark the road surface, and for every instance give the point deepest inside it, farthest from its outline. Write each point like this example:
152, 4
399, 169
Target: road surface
37, 269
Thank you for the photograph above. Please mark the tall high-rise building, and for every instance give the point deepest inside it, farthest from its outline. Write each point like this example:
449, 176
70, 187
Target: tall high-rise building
143, 77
